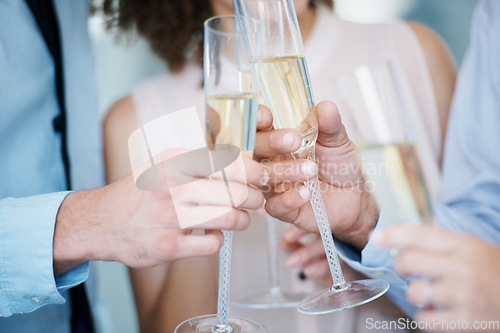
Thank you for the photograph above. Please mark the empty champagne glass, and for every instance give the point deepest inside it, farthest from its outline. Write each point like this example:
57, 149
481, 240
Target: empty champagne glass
231, 95
286, 89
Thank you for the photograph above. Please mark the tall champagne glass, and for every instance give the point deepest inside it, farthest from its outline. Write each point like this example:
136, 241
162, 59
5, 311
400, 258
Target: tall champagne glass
373, 99
286, 89
231, 95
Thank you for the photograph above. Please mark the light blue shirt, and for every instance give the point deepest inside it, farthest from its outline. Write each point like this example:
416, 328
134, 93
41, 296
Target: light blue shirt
31, 298
471, 171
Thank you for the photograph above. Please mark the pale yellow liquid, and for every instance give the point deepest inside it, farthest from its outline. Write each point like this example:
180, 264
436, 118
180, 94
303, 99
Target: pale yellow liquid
231, 119
395, 175
287, 92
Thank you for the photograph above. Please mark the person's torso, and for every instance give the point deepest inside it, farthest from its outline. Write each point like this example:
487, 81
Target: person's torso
30, 149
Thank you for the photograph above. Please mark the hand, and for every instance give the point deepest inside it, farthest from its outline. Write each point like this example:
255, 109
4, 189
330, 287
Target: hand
273, 148
305, 251
120, 222
458, 274
351, 210
309, 255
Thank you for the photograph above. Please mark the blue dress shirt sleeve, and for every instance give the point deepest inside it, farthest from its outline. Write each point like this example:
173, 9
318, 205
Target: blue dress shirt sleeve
31, 164
471, 170
26, 236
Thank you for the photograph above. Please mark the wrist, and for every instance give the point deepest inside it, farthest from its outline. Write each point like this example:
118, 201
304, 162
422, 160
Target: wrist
74, 235
359, 233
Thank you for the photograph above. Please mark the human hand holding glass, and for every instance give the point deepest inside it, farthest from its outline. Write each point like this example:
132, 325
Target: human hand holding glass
438, 263
231, 96
286, 89
453, 285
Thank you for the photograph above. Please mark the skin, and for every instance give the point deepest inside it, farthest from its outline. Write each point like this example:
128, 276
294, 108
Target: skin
156, 289
153, 288
463, 269
354, 210
120, 222
159, 291
442, 70
443, 75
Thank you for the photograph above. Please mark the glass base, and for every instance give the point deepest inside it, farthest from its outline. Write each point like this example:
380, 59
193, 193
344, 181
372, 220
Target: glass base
274, 298
206, 324
357, 293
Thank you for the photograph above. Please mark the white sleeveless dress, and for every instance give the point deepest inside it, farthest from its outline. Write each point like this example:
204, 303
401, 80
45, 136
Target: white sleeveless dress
335, 47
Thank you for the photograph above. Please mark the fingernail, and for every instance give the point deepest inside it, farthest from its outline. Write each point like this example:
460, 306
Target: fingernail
309, 168
259, 115
293, 260
304, 192
287, 139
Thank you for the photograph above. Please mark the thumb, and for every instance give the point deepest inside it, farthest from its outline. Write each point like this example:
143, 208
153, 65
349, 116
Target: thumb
331, 131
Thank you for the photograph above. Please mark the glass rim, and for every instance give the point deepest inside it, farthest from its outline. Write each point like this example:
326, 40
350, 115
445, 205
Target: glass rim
257, 24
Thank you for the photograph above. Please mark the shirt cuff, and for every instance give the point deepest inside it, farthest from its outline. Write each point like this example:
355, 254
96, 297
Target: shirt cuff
377, 263
27, 279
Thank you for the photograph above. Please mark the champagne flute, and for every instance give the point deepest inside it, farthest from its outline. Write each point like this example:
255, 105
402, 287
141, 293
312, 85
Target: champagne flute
372, 98
286, 89
231, 95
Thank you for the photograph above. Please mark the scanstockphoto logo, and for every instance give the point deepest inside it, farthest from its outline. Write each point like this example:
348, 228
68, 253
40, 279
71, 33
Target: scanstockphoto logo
353, 176
435, 324
170, 154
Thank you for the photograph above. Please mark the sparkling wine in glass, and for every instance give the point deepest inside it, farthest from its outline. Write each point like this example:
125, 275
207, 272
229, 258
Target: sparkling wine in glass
286, 89
372, 99
231, 95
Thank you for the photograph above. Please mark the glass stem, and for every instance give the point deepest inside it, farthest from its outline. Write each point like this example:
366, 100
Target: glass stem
272, 249
222, 325
318, 206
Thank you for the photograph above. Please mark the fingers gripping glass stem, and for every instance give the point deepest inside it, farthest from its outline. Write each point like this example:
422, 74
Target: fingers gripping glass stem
286, 89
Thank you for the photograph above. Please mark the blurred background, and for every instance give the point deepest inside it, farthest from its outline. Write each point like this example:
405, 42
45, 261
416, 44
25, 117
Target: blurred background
121, 65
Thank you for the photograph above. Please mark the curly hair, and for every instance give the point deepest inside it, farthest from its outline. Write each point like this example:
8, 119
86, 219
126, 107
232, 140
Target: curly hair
173, 28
